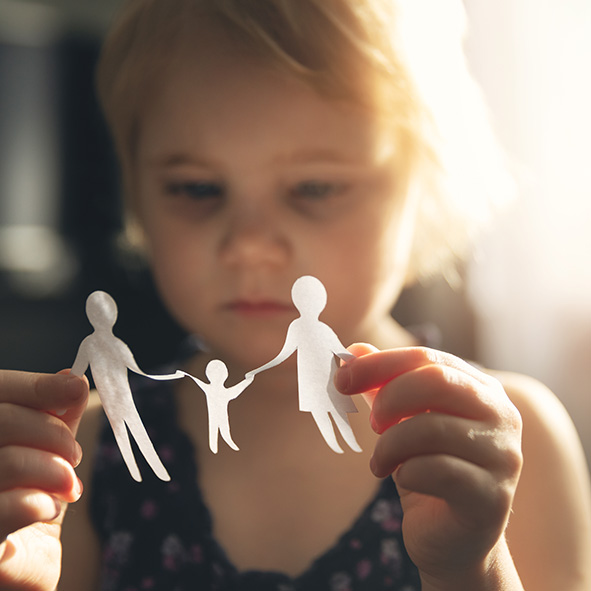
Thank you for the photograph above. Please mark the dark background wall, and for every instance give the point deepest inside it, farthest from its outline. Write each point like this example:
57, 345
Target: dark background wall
42, 317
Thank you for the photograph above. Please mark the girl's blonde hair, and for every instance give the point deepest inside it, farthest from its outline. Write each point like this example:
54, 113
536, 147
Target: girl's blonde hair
403, 59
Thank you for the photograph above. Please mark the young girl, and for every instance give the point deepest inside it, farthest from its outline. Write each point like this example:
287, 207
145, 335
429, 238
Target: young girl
259, 142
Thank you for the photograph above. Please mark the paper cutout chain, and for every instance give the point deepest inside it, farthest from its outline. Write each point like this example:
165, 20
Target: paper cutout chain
316, 345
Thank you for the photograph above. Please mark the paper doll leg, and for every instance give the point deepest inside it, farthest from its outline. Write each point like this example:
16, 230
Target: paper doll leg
225, 432
122, 439
213, 437
327, 430
343, 425
145, 444
219, 422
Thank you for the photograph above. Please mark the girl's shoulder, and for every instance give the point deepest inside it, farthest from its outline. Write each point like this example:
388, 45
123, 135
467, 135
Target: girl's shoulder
544, 416
552, 507
549, 434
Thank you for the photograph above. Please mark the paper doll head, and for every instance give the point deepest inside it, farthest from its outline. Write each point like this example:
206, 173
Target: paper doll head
216, 372
309, 296
101, 310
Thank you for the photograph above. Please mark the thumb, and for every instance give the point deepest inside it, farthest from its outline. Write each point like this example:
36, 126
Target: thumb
72, 415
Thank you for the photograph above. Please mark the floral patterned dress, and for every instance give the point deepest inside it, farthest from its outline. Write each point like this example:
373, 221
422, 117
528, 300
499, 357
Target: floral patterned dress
158, 535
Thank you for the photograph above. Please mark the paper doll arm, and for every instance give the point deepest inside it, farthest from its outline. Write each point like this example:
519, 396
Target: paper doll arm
82, 360
169, 376
131, 363
345, 355
247, 381
236, 390
335, 345
288, 349
200, 383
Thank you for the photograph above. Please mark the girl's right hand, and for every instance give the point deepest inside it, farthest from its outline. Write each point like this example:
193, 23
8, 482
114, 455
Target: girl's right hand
39, 417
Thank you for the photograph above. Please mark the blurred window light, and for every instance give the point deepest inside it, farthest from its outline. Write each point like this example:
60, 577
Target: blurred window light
34, 259
28, 23
532, 290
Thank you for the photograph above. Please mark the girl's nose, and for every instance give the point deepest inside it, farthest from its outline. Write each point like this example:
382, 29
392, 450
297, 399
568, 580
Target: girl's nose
253, 239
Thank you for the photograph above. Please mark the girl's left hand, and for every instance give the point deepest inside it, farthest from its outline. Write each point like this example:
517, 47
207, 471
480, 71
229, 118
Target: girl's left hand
451, 439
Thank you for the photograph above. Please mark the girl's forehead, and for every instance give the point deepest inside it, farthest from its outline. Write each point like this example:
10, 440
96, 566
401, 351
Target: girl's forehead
215, 75
220, 100
207, 41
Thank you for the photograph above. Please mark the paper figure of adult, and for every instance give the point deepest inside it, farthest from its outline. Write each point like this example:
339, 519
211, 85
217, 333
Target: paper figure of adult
109, 359
218, 397
317, 345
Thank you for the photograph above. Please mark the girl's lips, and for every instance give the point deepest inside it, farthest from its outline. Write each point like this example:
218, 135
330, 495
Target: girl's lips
258, 308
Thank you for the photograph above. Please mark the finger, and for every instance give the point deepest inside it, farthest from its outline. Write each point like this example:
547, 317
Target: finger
358, 350
25, 427
434, 388
435, 433
50, 392
475, 496
361, 349
373, 370
23, 507
22, 467
72, 415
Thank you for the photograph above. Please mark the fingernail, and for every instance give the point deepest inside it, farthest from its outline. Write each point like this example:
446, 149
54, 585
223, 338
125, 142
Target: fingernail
343, 379
373, 422
73, 387
77, 455
373, 465
58, 509
78, 488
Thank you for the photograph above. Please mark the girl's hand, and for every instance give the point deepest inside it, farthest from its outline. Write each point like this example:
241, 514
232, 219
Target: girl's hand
39, 416
451, 439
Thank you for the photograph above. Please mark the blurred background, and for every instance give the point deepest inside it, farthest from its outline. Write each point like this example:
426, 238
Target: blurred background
526, 302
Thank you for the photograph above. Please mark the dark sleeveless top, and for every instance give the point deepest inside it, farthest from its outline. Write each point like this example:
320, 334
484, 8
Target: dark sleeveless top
158, 535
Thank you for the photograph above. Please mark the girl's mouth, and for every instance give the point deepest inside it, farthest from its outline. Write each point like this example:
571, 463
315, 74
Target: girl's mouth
259, 307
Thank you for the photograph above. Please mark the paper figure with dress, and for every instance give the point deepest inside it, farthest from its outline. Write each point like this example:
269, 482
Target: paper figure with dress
317, 348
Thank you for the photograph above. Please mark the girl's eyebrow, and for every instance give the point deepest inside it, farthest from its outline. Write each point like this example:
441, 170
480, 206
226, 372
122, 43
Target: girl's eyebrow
178, 159
299, 157
316, 155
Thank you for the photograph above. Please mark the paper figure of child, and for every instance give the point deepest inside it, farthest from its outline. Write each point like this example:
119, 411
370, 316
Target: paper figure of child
218, 397
110, 359
316, 345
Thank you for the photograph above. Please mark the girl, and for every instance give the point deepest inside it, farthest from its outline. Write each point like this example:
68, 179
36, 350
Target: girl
262, 141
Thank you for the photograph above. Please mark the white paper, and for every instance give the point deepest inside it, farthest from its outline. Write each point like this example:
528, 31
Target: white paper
218, 397
109, 359
317, 345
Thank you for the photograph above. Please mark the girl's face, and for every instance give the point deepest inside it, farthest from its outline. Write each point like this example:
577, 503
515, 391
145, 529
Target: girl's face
248, 179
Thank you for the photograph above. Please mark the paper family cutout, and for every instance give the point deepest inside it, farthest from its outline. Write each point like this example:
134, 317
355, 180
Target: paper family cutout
315, 343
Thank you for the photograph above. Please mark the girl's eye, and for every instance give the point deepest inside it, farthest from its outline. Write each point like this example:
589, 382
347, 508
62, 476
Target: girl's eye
198, 191
317, 189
